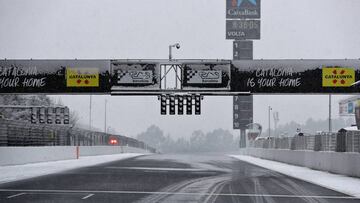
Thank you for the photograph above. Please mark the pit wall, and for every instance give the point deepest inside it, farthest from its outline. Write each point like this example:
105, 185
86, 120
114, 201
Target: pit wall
341, 163
25, 155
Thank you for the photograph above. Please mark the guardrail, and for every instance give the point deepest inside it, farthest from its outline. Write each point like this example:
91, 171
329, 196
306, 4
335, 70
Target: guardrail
21, 133
344, 141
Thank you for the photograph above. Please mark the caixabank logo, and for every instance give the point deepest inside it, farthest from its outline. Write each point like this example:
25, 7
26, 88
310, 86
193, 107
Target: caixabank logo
337, 77
243, 9
238, 3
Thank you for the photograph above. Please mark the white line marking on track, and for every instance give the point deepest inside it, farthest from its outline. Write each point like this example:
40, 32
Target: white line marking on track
179, 193
16, 195
87, 196
159, 169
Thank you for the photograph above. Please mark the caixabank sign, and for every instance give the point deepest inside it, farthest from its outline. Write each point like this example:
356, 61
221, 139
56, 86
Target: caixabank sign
243, 8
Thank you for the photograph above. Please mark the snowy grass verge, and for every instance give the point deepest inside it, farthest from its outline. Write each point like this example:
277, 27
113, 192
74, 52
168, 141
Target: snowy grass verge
25, 171
340, 183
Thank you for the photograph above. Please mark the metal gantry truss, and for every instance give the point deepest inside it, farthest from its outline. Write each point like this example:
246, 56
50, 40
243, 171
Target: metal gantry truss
173, 71
166, 69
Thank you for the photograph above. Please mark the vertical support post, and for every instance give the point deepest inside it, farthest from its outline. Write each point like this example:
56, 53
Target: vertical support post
105, 129
170, 54
90, 107
242, 138
242, 50
269, 121
176, 76
165, 77
77, 152
330, 127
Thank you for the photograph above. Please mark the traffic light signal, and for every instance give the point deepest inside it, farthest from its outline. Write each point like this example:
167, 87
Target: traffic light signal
197, 104
49, 115
163, 104
34, 115
57, 119
42, 115
180, 100
58, 115
172, 105
188, 105
66, 116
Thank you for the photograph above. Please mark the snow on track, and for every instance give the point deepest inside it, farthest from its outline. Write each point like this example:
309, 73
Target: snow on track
340, 183
20, 172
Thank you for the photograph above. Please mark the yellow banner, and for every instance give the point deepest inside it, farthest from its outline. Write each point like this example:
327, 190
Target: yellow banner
338, 77
82, 77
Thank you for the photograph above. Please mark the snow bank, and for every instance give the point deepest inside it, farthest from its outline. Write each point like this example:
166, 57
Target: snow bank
344, 184
20, 172
344, 163
25, 155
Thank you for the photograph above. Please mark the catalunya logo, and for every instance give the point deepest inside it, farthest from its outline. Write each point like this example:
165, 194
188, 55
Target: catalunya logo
338, 77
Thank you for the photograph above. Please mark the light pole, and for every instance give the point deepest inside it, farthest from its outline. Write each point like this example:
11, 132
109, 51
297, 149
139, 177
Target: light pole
105, 129
177, 45
90, 106
269, 119
276, 120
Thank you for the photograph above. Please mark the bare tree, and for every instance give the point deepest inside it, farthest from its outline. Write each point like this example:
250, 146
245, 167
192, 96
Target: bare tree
74, 118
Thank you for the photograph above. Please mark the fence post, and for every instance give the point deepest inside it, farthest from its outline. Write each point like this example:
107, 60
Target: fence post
77, 152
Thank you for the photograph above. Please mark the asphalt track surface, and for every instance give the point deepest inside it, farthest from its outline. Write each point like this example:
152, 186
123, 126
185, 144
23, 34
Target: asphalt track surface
169, 178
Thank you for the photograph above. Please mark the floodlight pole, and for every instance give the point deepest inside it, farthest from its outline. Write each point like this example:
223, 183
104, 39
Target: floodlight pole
269, 120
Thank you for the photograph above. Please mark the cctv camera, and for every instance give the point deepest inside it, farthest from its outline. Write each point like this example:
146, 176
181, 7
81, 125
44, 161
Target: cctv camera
178, 46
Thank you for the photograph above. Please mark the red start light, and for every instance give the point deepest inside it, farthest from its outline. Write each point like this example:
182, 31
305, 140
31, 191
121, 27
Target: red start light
113, 141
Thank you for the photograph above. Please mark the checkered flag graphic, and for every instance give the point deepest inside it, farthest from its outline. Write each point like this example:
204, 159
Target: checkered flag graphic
121, 74
190, 74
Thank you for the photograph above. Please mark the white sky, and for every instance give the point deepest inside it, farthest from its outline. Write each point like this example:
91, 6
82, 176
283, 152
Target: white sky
88, 29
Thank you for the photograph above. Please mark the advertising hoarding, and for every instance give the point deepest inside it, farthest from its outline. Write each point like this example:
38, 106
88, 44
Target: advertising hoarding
54, 76
296, 76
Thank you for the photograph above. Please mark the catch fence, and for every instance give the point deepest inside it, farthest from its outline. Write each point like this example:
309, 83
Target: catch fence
22, 133
343, 141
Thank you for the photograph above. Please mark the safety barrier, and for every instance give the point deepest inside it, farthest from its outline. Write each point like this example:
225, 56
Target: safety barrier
25, 155
334, 162
29, 154
343, 141
21, 133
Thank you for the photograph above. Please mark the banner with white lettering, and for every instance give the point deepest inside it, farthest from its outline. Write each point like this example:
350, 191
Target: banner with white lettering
296, 76
54, 76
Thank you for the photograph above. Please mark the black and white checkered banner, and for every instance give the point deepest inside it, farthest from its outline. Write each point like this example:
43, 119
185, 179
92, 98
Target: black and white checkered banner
134, 77
204, 76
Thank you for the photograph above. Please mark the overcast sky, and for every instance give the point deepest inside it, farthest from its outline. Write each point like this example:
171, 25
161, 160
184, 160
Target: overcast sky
103, 29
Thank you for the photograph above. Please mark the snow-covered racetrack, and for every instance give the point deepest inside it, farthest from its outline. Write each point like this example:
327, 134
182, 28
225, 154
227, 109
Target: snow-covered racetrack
169, 178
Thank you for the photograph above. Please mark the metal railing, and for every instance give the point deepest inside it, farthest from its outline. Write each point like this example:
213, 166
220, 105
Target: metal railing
21, 133
347, 141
